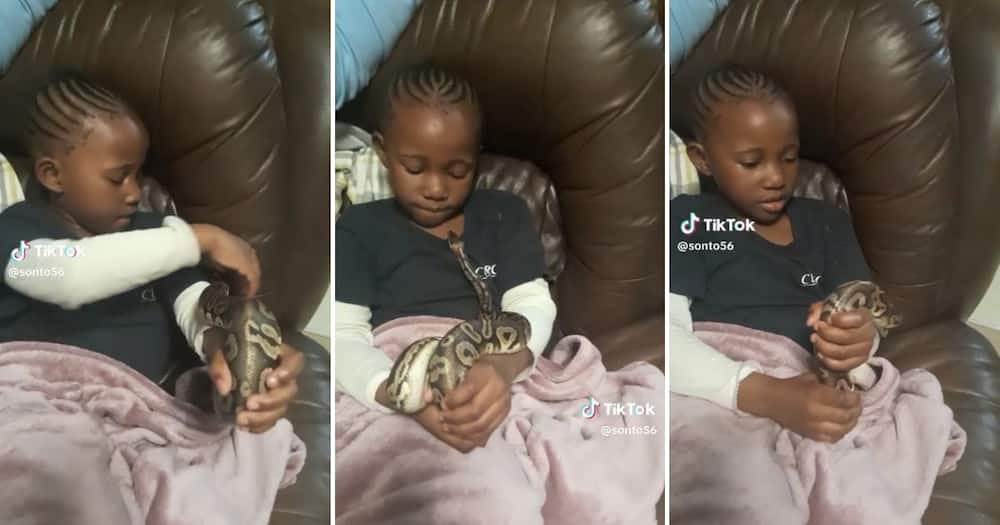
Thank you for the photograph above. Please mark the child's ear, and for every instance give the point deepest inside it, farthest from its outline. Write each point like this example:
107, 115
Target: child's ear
378, 143
696, 152
48, 173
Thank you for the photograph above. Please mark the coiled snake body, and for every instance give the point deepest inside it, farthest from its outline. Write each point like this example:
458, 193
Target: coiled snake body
850, 296
440, 364
252, 342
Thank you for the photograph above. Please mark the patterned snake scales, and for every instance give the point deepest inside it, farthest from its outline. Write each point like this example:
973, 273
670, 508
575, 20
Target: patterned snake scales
440, 364
850, 296
252, 344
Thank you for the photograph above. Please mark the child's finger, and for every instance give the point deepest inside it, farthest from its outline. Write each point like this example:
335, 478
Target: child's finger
258, 422
472, 409
840, 336
272, 399
465, 391
852, 319
290, 365
815, 309
218, 371
833, 353
489, 420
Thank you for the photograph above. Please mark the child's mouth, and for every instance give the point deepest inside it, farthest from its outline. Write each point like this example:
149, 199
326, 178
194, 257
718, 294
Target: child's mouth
773, 206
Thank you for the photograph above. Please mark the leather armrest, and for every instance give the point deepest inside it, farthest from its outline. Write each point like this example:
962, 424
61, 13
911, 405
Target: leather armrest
638, 341
308, 500
969, 371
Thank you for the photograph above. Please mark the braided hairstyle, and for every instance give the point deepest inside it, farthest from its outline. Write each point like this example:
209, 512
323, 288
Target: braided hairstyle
61, 110
729, 83
433, 87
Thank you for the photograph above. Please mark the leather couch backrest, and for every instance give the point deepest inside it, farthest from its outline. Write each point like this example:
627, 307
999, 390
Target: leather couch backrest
576, 89
875, 92
237, 140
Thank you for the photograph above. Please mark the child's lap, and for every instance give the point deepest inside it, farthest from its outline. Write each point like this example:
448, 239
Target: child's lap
387, 463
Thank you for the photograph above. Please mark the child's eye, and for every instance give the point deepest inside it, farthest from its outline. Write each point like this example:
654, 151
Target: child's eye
413, 171
459, 174
793, 158
750, 165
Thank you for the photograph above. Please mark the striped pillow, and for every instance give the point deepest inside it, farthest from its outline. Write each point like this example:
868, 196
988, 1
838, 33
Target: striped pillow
359, 177
683, 175
10, 186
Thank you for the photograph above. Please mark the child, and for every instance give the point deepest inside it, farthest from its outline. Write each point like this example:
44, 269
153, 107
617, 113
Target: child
87, 269
770, 279
393, 260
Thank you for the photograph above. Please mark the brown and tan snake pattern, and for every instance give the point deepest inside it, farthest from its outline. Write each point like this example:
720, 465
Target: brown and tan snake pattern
440, 364
252, 344
850, 296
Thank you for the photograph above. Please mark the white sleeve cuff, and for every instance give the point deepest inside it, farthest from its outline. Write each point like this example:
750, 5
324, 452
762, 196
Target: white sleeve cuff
360, 366
188, 316
697, 369
533, 301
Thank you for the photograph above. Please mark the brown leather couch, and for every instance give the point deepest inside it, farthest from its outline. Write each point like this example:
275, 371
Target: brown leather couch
897, 103
573, 96
235, 95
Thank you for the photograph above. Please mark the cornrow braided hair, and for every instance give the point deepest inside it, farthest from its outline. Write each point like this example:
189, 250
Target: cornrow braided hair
60, 112
732, 82
429, 86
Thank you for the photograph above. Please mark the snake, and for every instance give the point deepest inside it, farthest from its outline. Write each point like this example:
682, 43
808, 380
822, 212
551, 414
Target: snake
850, 296
252, 342
440, 363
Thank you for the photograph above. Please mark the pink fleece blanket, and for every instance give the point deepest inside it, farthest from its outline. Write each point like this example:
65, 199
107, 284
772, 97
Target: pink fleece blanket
85, 439
546, 463
732, 468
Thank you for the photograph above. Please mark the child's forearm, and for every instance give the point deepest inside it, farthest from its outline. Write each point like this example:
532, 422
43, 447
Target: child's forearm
186, 308
697, 369
104, 265
533, 301
361, 368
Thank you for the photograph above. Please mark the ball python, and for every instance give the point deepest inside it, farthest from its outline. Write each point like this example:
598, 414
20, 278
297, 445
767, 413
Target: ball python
851, 296
441, 363
252, 342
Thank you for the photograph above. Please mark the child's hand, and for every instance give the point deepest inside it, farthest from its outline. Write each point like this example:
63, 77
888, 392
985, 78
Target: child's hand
801, 404
846, 341
430, 419
228, 252
264, 410
479, 404
212, 343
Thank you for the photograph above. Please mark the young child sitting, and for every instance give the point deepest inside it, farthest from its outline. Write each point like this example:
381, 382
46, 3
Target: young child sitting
393, 259
771, 279
85, 268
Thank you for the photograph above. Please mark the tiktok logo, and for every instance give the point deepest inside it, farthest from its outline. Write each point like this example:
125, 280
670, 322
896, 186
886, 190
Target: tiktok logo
19, 253
589, 409
688, 226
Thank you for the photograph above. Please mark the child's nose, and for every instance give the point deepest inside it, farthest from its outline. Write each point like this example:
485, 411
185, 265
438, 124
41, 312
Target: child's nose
132, 190
774, 178
435, 188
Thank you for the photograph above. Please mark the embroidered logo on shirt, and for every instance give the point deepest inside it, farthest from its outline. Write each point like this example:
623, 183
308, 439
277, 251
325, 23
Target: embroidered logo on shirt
486, 271
810, 279
148, 295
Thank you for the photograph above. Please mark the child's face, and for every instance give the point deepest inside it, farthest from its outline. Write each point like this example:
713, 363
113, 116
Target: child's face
96, 183
431, 156
751, 150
